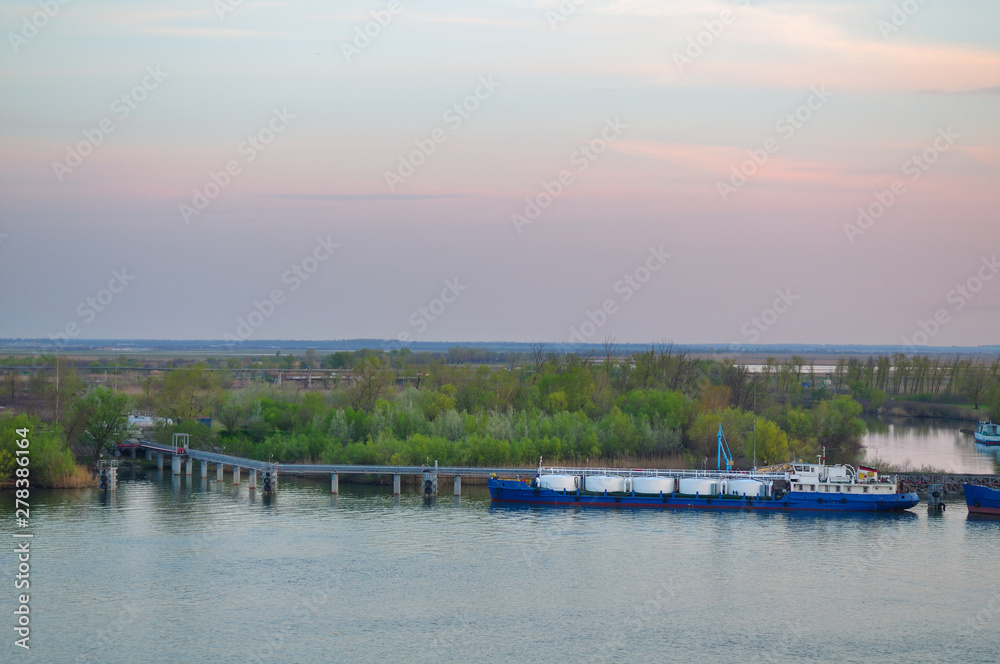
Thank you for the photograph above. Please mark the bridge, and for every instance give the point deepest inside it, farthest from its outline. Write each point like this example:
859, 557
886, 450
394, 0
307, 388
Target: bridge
182, 459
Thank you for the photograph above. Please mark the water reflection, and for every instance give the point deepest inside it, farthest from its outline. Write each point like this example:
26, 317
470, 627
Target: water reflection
918, 443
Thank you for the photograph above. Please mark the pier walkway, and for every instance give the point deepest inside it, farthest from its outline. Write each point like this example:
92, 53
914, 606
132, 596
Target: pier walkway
182, 458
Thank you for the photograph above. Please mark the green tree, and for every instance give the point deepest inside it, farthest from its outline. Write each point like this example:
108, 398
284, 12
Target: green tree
104, 415
838, 423
977, 384
667, 407
189, 393
772, 443
52, 462
372, 378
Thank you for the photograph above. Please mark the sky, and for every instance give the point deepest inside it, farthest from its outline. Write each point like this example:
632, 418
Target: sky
644, 170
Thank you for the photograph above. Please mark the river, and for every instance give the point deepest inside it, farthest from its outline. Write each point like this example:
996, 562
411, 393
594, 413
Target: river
173, 569
932, 443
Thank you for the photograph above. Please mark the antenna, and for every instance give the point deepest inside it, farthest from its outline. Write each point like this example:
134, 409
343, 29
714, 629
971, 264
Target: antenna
755, 422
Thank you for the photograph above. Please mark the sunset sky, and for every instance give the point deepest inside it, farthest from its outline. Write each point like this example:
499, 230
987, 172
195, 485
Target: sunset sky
710, 172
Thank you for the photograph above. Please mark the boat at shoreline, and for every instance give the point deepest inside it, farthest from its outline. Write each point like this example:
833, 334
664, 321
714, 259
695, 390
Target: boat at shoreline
988, 433
802, 487
982, 499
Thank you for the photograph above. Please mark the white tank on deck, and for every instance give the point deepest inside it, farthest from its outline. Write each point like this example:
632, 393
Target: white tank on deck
559, 482
653, 485
744, 488
602, 483
702, 486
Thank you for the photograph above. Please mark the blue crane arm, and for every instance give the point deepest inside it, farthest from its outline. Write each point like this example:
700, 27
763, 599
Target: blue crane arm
723, 451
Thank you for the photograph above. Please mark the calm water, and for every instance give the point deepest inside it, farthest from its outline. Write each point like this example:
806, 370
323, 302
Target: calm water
931, 443
168, 571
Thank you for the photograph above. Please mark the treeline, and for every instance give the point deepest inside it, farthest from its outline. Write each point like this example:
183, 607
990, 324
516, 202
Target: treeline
398, 407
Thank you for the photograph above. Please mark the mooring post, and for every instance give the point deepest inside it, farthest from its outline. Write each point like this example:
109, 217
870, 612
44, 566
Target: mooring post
253, 478
458, 485
430, 481
204, 469
219, 469
188, 466
175, 465
395, 484
935, 497
236, 475
159, 460
334, 483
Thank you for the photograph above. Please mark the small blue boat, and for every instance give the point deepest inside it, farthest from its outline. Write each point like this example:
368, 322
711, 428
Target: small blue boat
982, 499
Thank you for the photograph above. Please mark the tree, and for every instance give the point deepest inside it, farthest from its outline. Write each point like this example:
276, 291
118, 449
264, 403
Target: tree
189, 393
771, 443
105, 420
10, 384
838, 423
610, 350
372, 377
977, 384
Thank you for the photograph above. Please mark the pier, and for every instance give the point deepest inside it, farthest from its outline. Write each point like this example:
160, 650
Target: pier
182, 458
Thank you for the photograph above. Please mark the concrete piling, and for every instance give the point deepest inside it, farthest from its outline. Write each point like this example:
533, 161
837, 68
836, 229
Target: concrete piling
395, 484
189, 466
236, 475
159, 461
204, 469
458, 485
253, 478
175, 465
219, 469
334, 483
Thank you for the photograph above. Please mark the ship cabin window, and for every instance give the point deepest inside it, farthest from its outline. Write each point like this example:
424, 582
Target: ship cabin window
838, 489
864, 490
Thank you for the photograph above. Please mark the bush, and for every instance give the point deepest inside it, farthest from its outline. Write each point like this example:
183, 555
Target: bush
52, 464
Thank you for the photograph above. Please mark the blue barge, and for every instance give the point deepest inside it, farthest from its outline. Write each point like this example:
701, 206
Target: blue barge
800, 487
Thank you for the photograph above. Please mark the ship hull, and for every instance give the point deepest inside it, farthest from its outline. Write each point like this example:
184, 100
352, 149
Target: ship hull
516, 491
991, 441
982, 500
